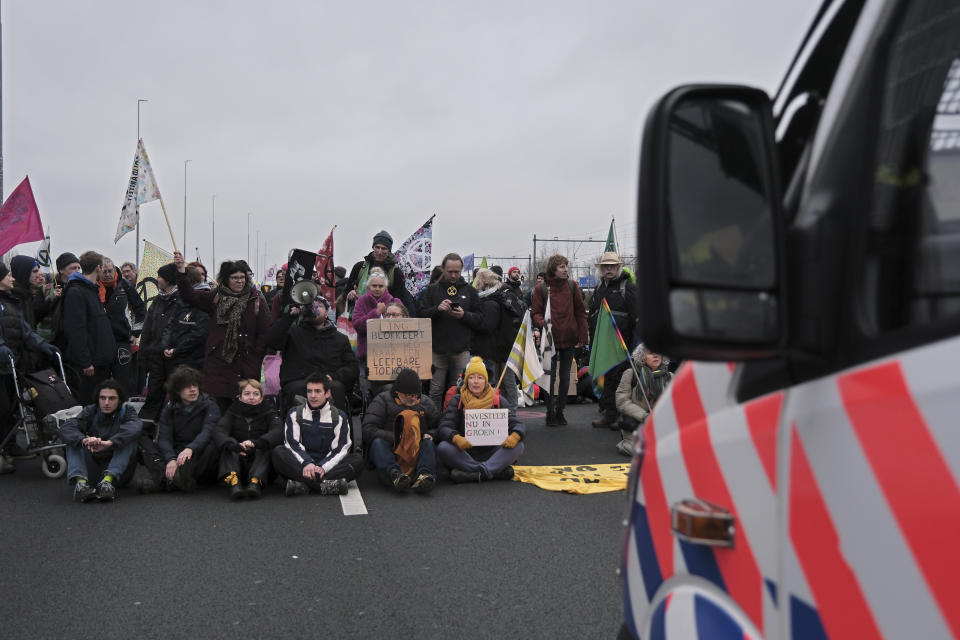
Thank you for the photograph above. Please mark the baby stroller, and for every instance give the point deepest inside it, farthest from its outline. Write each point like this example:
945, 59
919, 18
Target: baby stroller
43, 401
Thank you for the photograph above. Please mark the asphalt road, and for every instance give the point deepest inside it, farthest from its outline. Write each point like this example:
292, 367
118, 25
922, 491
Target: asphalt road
494, 560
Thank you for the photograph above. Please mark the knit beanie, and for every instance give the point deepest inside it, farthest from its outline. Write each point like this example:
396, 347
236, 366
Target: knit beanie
169, 273
3, 270
407, 382
64, 259
476, 366
21, 267
384, 238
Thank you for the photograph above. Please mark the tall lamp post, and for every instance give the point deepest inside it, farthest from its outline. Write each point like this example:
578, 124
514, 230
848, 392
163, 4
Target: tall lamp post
185, 204
213, 235
249, 215
139, 100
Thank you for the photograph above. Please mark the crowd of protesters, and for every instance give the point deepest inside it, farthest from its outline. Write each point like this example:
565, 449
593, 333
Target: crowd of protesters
205, 417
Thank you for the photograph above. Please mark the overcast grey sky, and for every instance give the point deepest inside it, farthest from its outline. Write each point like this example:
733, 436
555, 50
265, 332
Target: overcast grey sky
503, 118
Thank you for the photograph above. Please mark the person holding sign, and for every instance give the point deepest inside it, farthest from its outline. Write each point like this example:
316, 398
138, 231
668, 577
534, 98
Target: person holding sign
399, 429
471, 427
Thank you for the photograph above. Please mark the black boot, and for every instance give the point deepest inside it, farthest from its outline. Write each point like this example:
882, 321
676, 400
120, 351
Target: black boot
560, 418
608, 420
551, 418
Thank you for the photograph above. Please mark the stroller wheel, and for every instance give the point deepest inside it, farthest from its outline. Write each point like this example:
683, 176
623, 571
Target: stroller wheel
54, 466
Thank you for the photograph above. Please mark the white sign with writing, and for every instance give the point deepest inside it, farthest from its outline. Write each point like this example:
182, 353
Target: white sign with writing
483, 427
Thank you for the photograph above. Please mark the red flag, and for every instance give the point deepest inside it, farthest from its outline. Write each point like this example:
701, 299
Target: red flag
326, 278
19, 218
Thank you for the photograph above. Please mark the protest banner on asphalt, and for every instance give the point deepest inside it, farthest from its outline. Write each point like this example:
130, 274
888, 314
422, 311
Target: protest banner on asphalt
399, 343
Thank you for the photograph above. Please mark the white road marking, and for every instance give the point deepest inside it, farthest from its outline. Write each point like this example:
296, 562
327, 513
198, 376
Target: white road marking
352, 503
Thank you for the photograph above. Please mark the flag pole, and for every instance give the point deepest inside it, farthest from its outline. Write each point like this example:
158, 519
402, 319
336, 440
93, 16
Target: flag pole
169, 228
502, 373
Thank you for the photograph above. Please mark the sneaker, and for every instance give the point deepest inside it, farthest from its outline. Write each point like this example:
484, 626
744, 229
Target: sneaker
254, 490
504, 474
425, 483
401, 481
106, 492
83, 492
460, 476
6, 464
237, 492
335, 487
551, 418
608, 421
295, 488
561, 419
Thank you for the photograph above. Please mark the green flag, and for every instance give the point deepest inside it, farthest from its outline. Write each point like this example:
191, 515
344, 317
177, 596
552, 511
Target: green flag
611, 240
483, 263
607, 349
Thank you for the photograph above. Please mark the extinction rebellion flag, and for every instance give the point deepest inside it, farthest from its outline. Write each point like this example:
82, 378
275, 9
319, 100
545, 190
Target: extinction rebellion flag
19, 218
141, 188
415, 257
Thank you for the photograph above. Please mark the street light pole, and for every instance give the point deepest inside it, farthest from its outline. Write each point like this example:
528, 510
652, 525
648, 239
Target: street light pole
137, 253
213, 236
249, 214
185, 204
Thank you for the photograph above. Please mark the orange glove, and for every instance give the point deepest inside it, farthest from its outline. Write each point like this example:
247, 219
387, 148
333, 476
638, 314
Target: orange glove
511, 440
461, 442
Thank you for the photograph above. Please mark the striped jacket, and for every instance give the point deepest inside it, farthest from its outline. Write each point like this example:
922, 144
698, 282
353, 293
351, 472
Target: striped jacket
319, 436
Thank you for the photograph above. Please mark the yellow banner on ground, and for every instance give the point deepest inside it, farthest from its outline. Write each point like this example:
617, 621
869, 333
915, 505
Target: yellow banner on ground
584, 478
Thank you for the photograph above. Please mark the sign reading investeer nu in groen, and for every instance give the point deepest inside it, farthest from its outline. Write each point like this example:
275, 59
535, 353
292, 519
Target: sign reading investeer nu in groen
398, 343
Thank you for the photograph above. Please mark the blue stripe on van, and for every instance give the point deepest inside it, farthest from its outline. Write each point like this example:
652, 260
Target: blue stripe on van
649, 567
713, 622
805, 621
701, 561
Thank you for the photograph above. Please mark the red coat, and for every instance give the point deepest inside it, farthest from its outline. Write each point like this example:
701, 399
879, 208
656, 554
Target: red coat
568, 314
220, 378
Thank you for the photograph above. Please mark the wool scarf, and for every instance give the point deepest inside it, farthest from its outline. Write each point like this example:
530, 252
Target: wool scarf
483, 401
229, 311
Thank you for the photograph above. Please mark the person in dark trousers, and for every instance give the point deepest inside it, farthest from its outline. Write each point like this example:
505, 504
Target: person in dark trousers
399, 433
315, 455
91, 348
185, 431
22, 345
568, 320
470, 463
117, 296
454, 309
381, 257
101, 443
621, 295
238, 328
313, 345
161, 312
245, 436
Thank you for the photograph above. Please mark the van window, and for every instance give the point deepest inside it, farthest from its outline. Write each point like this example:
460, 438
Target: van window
913, 249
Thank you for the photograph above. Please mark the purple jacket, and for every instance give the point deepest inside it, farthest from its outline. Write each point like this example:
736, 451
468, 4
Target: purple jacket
366, 309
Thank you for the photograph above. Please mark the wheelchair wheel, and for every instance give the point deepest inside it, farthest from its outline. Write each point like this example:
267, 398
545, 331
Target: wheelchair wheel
54, 466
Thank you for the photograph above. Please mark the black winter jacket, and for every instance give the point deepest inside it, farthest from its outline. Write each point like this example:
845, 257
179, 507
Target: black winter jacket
307, 348
159, 315
189, 427
186, 333
622, 304
89, 336
121, 427
119, 298
17, 335
502, 314
378, 421
249, 422
451, 335
451, 424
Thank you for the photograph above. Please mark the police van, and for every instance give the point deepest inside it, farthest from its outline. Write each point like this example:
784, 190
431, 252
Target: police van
799, 478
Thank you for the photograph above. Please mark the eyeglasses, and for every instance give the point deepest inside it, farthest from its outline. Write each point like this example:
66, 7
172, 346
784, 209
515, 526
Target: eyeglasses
238, 278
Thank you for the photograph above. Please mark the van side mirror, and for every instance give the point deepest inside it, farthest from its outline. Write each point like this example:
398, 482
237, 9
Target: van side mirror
710, 245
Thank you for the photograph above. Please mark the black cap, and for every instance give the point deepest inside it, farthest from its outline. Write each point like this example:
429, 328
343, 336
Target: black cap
407, 382
66, 258
169, 273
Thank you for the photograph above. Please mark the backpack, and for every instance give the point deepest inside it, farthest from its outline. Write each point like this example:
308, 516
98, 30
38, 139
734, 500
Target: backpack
48, 392
513, 305
546, 290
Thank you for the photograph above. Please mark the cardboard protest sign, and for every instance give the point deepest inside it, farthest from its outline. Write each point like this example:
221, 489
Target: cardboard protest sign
485, 427
399, 343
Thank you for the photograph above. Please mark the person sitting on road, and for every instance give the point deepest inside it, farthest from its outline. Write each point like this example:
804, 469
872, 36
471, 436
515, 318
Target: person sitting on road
101, 443
185, 430
399, 431
476, 464
245, 435
636, 395
313, 345
316, 454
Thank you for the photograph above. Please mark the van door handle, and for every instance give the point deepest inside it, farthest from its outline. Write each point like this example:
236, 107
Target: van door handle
700, 522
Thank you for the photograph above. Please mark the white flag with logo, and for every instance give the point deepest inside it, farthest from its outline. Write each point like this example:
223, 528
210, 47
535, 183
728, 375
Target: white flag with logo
141, 188
547, 349
524, 360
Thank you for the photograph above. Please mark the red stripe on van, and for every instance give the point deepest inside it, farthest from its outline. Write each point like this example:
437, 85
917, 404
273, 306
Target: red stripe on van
839, 599
658, 511
912, 472
738, 565
763, 415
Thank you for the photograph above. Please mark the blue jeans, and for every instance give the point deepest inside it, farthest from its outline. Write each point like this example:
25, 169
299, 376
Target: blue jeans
385, 460
446, 368
80, 462
453, 457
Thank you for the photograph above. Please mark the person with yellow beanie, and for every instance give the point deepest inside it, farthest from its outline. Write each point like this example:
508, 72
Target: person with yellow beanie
470, 463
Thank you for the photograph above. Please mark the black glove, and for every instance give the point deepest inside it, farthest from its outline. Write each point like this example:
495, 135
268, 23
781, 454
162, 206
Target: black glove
234, 447
50, 350
262, 444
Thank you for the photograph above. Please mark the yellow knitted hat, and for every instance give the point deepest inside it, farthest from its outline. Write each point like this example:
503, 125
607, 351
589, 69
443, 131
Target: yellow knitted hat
476, 366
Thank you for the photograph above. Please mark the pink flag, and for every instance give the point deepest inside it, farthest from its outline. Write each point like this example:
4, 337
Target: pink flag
326, 279
19, 218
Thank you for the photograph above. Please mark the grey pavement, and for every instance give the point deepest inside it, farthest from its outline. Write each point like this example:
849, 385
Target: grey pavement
493, 560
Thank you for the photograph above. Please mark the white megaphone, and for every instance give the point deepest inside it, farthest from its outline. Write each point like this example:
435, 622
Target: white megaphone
304, 292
